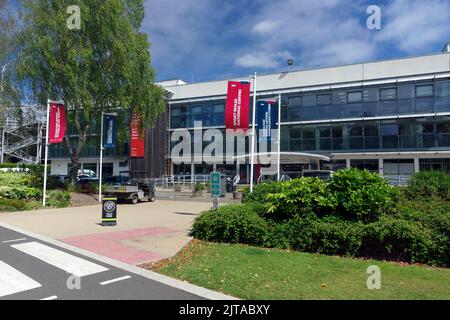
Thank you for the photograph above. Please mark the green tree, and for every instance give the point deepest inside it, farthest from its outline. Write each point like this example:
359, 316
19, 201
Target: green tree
9, 96
103, 66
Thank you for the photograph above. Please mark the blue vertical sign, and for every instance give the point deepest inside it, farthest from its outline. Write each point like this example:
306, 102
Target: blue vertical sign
267, 113
109, 130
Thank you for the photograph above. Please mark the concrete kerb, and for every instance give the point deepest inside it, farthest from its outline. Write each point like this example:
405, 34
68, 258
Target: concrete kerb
187, 287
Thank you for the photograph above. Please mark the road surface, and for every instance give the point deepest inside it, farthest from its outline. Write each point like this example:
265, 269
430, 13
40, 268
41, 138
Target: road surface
35, 268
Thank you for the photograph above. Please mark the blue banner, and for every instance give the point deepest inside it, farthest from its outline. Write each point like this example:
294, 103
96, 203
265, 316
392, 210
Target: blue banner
267, 113
109, 130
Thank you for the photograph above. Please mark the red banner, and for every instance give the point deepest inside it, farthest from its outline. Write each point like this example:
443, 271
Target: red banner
57, 126
238, 105
137, 143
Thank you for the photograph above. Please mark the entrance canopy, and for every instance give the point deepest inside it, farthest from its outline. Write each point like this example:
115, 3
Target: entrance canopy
285, 157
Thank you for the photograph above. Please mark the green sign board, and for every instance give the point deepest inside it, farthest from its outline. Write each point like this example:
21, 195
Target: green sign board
215, 184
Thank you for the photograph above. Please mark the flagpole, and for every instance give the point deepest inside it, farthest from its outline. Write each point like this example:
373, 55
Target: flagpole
252, 154
44, 193
101, 162
279, 138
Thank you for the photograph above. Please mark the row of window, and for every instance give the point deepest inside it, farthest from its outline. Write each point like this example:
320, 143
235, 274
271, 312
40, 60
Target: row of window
386, 135
409, 98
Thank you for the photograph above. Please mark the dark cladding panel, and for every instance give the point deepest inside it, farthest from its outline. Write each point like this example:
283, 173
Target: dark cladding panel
154, 162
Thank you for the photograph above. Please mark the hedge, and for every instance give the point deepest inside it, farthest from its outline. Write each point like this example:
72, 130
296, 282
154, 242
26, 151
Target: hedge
357, 213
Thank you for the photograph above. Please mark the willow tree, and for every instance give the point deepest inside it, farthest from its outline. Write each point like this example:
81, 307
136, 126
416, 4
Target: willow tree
92, 57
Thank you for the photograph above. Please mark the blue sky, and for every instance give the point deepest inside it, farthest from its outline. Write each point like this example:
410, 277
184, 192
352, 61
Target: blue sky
202, 40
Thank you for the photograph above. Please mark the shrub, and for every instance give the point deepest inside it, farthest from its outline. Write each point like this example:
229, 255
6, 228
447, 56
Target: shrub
20, 192
362, 195
12, 205
329, 235
233, 224
396, 239
199, 187
260, 191
299, 197
58, 199
433, 214
426, 184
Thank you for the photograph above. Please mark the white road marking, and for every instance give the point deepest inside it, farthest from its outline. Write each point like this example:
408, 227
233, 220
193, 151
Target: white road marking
51, 298
15, 240
13, 281
62, 260
104, 283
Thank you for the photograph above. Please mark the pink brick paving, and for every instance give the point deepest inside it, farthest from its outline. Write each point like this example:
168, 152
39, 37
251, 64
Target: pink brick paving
108, 244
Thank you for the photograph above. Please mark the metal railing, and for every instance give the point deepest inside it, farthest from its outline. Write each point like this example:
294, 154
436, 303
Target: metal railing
168, 182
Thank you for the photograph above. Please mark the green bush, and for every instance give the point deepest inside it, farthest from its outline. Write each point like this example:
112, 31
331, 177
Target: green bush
329, 235
362, 195
199, 187
58, 199
233, 224
299, 197
260, 191
12, 205
396, 239
356, 213
20, 192
433, 214
14, 179
427, 184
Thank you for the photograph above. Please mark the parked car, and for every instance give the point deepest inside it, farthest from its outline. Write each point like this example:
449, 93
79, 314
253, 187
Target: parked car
57, 181
85, 184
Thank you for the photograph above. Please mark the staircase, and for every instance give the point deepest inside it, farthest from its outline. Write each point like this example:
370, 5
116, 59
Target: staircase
22, 141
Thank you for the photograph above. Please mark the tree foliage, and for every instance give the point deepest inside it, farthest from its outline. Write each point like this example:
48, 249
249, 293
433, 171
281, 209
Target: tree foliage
102, 67
9, 95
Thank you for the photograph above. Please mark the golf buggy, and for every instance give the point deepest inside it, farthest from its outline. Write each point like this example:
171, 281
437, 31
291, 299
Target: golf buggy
132, 186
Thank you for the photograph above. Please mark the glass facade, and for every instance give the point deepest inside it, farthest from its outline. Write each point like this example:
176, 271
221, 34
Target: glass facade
386, 135
360, 135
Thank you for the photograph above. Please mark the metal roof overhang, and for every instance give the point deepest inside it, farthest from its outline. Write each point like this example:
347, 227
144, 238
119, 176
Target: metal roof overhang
286, 157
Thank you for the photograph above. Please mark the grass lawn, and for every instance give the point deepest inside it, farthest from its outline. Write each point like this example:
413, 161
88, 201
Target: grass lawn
255, 273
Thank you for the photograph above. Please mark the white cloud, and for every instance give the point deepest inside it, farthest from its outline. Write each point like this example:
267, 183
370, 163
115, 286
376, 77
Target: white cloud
415, 25
211, 38
265, 26
263, 60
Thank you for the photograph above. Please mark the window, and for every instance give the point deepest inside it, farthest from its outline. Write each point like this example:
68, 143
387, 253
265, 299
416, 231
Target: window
295, 133
389, 129
370, 165
323, 99
442, 89
405, 91
370, 94
309, 100
389, 133
339, 97
294, 105
424, 91
354, 97
388, 94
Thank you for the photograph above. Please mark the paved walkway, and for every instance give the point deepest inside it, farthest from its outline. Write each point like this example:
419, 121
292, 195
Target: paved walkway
145, 232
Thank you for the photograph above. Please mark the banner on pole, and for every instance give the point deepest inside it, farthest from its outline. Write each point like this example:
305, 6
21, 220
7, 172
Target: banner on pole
137, 143
238, 105
57, 125
109, 130
267, 114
